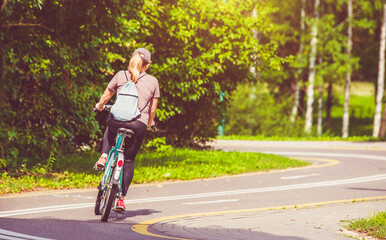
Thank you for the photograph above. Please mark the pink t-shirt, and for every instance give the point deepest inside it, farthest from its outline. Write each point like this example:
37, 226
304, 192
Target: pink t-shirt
147, 88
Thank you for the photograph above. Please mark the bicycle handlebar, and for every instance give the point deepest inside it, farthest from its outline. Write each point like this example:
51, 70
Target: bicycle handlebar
107, 107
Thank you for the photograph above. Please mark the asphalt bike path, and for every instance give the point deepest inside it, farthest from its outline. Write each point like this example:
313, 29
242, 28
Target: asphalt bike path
346, 181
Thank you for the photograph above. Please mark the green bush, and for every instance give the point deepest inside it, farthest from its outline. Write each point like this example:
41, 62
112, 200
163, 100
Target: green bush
253, 111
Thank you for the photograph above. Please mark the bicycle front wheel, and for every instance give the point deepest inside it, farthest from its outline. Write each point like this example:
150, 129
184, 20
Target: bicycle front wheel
97, 209
108, 201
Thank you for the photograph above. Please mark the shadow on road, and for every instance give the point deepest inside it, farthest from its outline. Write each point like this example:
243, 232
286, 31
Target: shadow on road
48, 228
217, 233
118, 227
368, 189
129, 214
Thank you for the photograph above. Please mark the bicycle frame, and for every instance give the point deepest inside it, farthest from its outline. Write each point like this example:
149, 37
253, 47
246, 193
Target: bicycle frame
112, 159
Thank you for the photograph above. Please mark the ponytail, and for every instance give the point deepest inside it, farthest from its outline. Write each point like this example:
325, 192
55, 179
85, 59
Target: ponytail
135, 66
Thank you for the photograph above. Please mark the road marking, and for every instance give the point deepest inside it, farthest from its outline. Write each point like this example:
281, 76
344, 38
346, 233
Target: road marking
372, 157
142, 228
204, 195
45, 193
331, 162
209, 202
4, 234
73, 196
299, 145
300, 176
44, 209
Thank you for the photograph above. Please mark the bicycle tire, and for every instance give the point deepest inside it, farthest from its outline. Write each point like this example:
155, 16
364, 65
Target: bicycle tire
97, 209
111, 195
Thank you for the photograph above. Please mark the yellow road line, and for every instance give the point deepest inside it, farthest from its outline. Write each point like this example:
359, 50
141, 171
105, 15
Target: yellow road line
328, 163
142, 228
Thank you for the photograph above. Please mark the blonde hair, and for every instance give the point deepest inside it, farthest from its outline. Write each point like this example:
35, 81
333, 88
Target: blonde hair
136, 65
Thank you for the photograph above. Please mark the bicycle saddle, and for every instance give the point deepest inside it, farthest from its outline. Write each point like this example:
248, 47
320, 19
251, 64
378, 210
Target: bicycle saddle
126, 131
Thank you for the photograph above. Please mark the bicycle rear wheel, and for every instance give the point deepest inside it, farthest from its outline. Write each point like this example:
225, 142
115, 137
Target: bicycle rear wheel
108, 200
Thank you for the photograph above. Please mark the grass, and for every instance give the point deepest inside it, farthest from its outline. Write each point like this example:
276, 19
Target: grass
75, 171
361, 115
374, 226
280, 138
186, 164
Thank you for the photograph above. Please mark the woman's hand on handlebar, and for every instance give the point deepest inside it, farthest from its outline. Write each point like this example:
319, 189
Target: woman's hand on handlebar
105, 107
152, 128
99, 108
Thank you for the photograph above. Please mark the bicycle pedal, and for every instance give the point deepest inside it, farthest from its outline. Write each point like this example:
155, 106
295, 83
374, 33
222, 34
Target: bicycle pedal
119, 210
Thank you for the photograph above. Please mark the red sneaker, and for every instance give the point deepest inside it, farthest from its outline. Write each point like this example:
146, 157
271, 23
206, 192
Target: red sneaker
120, 206
100, 164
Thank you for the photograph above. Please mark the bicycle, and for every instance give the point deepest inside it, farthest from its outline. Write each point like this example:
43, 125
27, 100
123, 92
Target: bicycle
111, 182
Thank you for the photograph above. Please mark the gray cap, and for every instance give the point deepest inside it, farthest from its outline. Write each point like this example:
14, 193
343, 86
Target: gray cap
145, 52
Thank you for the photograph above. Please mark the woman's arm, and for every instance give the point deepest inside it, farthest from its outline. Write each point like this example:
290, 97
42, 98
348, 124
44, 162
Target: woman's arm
153, 109
104, 99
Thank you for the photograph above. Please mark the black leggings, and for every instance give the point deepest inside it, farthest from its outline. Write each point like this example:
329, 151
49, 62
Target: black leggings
132, 146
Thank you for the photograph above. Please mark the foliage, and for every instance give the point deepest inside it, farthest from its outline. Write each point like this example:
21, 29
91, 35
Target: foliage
54, 57
332, 59
253, 111
374, 225
202, 48
75, 170
157, 145
57, 57
361, 115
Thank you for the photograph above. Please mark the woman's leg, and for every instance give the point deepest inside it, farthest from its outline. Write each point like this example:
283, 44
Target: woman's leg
108, 141
128, 174
131, 150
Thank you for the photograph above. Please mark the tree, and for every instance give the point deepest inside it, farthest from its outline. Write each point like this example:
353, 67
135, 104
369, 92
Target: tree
320, 110
300, 56
311, 76
382, 131
381, 77
200, 49
56, 56
345, 124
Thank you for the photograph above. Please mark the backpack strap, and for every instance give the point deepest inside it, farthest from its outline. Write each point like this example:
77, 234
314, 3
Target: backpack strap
138, 78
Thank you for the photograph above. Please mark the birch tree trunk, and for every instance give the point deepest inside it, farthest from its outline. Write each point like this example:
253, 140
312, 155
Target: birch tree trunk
320, 110
298, 81
346, 108
382, 132
311, 76
381, 77
329, 105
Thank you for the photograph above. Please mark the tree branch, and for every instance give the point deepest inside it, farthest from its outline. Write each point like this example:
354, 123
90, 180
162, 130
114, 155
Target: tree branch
3, 3
3, 75
27, 25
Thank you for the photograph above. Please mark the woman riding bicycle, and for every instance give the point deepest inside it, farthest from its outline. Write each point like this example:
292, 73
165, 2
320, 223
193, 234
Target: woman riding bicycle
148, 94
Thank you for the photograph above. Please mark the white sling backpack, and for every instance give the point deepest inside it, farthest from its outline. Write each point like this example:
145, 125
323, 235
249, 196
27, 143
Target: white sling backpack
125, 108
